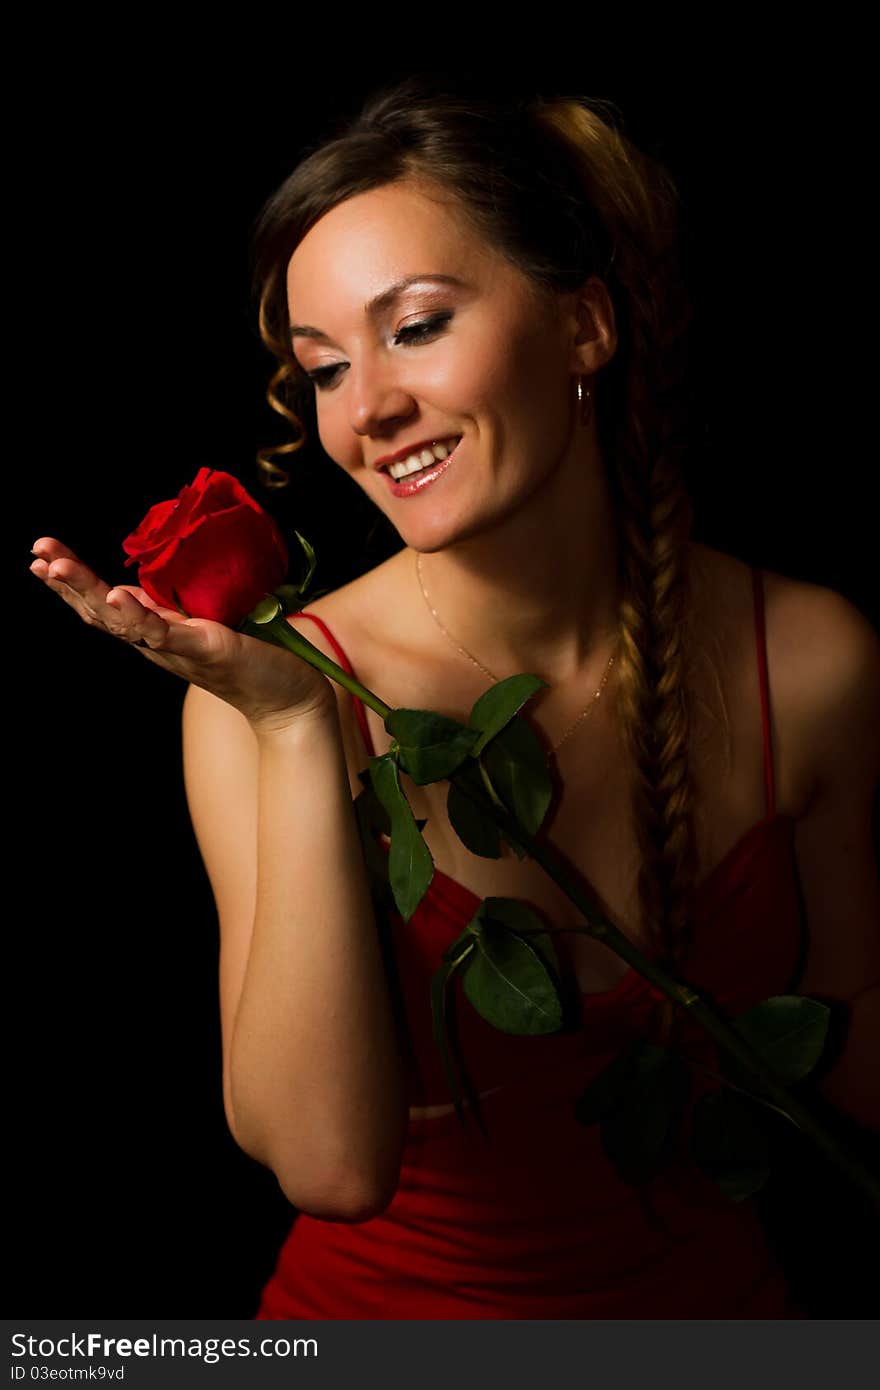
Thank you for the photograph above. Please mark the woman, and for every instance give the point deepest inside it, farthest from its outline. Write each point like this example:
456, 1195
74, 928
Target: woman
484, 297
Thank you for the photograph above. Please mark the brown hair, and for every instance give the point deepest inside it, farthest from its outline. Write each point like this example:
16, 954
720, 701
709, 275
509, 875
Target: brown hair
555, 186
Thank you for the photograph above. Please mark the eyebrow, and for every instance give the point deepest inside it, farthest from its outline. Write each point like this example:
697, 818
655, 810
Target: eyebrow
376, 306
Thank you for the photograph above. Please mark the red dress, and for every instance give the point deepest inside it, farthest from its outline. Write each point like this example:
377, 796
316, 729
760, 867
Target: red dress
537, 1223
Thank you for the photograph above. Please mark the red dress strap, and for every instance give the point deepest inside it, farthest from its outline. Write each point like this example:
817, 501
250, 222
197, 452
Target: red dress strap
346, 666
761, 643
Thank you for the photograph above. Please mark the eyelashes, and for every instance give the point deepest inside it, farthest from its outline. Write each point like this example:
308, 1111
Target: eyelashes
412, 333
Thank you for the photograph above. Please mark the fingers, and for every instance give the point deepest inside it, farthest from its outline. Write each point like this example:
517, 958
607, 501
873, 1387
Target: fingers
127, 612
124, 616
145, 601
67, 575
48, 548
78, 578
132, 621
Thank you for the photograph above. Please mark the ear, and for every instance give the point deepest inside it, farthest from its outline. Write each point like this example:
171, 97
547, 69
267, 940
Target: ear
590, 324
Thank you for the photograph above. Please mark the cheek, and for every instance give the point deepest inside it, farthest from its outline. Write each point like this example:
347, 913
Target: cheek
337, 442
519, 366
532, 393
540, 383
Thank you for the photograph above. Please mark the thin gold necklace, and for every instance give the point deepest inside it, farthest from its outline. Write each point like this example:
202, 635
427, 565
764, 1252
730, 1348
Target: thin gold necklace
464, 652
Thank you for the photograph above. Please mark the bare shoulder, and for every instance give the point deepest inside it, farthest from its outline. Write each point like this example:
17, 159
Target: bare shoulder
817, 632
352, 613
830, 673
832, 665
823, 663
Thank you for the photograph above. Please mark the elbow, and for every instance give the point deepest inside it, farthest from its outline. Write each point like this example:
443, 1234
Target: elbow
247, 1147
351, 1199
344, 1178
345, 1190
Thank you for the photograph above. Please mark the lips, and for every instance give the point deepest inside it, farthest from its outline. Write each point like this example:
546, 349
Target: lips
413, 483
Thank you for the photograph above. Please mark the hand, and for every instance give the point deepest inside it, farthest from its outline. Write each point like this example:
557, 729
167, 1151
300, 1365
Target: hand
269, 685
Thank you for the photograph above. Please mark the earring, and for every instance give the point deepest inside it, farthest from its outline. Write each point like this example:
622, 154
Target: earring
584, 402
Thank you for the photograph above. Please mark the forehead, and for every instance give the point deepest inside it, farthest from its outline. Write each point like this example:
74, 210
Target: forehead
372, 239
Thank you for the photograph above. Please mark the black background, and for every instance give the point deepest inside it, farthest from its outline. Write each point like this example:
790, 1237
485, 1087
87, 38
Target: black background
136, 360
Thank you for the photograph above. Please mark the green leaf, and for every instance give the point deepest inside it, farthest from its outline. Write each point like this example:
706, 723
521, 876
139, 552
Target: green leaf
268, 608
462, 945
377, 816
472, 826
637, 1132
729, 1143
788, 1031
519, 917
410, 866
431, 746
497, 706
507, 977
491, 791
375, 857
311, 560
517, 767
620, 1078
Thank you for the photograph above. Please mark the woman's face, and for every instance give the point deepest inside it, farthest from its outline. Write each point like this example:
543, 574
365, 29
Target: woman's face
483, 358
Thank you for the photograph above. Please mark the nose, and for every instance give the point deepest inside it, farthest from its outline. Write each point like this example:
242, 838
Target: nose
378, 400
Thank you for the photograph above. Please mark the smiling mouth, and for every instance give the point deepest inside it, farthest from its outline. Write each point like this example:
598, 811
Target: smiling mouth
411, 484
423, 459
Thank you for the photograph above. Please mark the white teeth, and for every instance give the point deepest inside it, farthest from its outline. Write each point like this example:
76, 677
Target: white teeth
424, 459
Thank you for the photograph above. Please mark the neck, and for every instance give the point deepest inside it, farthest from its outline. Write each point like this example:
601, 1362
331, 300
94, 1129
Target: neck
537, 592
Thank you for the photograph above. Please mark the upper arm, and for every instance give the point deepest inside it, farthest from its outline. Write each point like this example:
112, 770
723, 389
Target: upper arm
835, 840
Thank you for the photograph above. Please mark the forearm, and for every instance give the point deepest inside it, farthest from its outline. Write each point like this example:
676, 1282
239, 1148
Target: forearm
316, 1075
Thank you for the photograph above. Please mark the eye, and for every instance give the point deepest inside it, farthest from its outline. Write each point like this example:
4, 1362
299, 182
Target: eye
413, 333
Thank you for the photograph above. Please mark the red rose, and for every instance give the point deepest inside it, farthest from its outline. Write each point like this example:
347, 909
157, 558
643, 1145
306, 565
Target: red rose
213, 546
